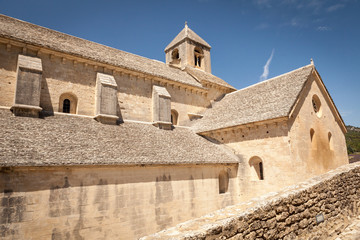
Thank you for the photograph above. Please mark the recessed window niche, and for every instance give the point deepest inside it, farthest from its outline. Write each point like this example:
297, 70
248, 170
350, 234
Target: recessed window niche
316, 105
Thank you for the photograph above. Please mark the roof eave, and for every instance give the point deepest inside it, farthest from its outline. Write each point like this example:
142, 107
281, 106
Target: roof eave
244, 125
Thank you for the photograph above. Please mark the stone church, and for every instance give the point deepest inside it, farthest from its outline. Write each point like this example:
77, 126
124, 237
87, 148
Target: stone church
98, 143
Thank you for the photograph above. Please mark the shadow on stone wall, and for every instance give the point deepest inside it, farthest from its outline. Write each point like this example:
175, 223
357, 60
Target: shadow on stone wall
293, 213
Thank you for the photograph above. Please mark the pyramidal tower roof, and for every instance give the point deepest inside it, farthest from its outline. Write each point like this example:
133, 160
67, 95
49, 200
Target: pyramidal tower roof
187, 33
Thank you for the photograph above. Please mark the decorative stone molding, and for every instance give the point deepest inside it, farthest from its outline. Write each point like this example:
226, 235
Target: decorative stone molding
28, 87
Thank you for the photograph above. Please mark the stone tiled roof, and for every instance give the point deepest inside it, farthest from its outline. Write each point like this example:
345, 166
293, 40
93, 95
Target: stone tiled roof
269, 99
28, 33
187, 33
69, 140
204, 76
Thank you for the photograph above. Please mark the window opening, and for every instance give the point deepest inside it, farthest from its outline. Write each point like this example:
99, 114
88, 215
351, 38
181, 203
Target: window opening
316, 105
330, 141
257, 166
66, 106
261, 170
312, 132
223, 182
174, 117
175, 54
198, 55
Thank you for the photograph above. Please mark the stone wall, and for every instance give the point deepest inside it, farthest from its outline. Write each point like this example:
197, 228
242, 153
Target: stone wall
289, 214
267, 142
324, 151
65, 74
107, 202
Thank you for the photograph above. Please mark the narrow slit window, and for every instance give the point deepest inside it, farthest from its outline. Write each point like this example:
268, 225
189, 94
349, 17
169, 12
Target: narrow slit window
257, 166
198, 55
261, 171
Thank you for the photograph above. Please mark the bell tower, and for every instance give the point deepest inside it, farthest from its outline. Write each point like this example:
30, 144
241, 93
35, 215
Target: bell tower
188, 49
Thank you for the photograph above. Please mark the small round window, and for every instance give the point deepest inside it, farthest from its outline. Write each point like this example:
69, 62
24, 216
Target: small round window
316, 105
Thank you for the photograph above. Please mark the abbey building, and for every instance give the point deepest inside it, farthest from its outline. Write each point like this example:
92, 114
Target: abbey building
98, 143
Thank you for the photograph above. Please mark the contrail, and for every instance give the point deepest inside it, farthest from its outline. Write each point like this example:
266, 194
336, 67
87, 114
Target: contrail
266, 67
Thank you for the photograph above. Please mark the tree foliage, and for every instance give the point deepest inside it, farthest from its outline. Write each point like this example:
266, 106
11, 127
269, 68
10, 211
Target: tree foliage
353, 139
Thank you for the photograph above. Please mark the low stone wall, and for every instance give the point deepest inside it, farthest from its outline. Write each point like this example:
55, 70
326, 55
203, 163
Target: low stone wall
289, 214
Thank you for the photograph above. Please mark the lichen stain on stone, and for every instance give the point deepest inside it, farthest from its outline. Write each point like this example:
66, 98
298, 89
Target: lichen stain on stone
102, 195
163, 218
192, 196
164, 193
12, 211
56, 234
66, 183
7, 231
137, 220
119, 200
59, 203
323, 157
13, 208
82, 202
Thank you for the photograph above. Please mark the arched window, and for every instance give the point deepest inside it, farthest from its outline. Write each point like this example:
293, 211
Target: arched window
68, 103
66, 106
223, 182
198, 56
331, 146
174, 117
175, 54
312, 133
313, 139
257, 166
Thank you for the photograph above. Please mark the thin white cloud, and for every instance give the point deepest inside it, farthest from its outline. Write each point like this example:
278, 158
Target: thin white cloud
262, 26
265, 74
294, 22
335, 7
262, 3
345, 113
323, 28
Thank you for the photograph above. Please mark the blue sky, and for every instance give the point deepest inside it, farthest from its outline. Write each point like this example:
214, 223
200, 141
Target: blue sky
243, 35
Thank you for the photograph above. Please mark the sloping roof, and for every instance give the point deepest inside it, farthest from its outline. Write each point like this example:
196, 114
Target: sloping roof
189, 34
269, 99
69, 140
28, 33
204, 76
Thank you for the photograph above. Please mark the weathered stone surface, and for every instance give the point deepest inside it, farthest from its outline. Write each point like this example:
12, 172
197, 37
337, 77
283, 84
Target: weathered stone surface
28, 86
161, 105
106, 98
290, 222
267, 123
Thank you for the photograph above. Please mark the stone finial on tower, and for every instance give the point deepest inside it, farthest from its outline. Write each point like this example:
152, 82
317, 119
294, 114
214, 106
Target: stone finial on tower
185, 23
312, 61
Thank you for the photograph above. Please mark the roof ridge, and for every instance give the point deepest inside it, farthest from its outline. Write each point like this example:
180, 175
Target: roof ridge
269, 99
13, 28
222, 82
271, 79
186, 33
53, 30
